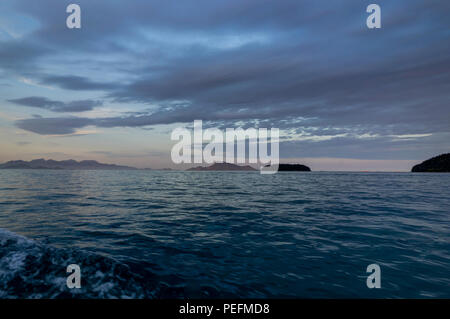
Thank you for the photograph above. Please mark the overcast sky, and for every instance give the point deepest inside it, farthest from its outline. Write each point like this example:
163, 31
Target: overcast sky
345, 97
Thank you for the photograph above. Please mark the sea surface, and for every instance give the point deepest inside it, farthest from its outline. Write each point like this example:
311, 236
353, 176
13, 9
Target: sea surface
152, 234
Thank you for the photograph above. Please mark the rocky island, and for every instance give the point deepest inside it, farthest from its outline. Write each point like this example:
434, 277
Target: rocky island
293, 168
438, 164
68, 164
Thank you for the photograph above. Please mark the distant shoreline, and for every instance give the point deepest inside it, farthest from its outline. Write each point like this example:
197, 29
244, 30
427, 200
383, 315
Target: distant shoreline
225, 171
434, 165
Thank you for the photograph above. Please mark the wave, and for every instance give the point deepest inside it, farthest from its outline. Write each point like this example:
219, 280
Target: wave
32, 270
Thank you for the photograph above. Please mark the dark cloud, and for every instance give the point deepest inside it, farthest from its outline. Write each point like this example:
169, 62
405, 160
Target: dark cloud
57, 106
77, 83
388, 94
53, 126
20, 57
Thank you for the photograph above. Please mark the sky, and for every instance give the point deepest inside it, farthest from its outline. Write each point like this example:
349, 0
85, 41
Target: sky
344, 97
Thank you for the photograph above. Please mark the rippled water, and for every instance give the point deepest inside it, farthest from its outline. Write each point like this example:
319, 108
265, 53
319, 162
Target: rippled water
149, 234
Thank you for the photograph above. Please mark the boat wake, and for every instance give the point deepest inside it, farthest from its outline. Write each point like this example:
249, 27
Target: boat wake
29, 269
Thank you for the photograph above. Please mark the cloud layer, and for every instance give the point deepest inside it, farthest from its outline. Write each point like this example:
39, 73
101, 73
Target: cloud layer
57, 106
310, 68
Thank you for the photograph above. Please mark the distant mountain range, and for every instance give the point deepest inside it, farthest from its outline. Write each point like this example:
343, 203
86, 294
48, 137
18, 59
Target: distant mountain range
222, 167
438, 164
94, 165
68, 164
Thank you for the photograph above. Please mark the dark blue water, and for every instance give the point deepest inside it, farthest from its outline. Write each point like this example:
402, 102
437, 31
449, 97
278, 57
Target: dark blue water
148, 234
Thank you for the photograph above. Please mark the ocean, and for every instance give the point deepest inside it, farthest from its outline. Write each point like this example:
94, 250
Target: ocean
171, 234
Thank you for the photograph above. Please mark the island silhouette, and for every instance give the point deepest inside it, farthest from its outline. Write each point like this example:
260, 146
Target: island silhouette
292, 168
437, 164
67, 164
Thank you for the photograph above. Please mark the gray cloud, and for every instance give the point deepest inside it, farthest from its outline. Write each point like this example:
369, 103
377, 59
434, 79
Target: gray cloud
76, 83
21, 57
57, 106
53, 126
